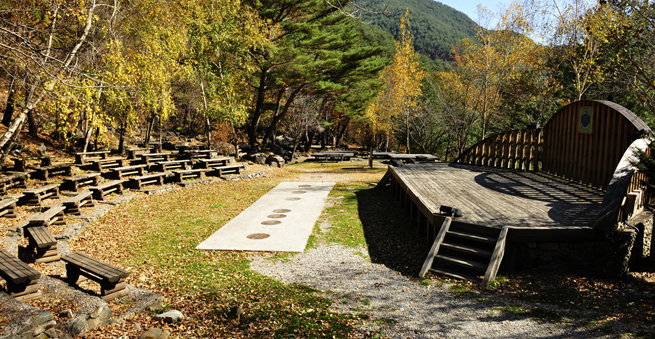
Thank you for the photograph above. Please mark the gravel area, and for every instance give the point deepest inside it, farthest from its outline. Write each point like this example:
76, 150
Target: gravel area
401, 307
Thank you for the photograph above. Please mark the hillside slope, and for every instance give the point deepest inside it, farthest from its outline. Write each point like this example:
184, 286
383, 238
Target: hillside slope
436, 27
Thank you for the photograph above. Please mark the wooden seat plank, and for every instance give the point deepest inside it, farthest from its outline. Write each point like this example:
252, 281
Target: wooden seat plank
106, 271
14, 270
41, 236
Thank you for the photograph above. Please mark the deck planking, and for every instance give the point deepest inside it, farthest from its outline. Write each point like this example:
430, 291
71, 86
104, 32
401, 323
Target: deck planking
499, 197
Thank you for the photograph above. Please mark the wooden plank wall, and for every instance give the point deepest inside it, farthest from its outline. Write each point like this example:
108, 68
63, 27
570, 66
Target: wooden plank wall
587, 158
516, 149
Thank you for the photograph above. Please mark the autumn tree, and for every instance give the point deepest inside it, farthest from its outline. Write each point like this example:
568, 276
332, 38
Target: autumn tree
48, 43
220, 35
579, 31
488, 67
402, 80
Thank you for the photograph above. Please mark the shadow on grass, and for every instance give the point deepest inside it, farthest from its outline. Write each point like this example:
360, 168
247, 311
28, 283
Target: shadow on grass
392, 240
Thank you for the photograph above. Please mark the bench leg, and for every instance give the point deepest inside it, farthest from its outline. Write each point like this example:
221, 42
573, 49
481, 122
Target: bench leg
49, 254
25, 291
110, 291
72, 274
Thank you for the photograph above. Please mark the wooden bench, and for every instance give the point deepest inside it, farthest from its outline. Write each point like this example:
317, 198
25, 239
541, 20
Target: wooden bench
34, 196
81, 157
199, 154
209, 163
8, 208
21, 278
53, 216
20, 164
77, 182
18, 180
42, 243
132, 152
73, 204
111, 278
44, 173
186, 174
148, 158
164, 166
100, 191
120, 172
99, 165
235, 169
139, 182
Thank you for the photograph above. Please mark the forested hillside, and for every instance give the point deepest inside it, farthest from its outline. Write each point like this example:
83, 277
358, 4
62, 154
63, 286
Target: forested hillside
436, 27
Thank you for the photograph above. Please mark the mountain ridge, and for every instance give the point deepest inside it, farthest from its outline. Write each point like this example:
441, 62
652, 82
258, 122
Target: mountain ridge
435, 27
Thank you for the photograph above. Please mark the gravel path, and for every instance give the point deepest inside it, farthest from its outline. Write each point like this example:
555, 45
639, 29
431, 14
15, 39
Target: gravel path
398, 306
417, 311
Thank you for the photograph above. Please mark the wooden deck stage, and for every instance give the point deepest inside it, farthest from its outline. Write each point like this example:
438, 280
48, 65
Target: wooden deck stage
536, 206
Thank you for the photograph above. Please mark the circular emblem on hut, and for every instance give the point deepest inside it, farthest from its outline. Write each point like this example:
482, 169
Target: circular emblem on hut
585, 120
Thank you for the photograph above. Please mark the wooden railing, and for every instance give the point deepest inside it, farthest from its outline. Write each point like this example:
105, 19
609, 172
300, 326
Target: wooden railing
516, 149
624, 195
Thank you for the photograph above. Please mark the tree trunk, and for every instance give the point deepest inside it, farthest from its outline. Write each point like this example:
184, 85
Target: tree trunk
11, 102
12, 143
151, 124
87, 136
310, 139
257, 113
276, 120
121, 138
95, 145
407, 132
33, 129
342, 131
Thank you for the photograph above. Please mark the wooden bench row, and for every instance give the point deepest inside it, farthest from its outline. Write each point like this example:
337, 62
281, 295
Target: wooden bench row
21, 279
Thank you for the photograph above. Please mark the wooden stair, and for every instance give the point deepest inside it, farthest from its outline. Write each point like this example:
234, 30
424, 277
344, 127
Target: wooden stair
466, 251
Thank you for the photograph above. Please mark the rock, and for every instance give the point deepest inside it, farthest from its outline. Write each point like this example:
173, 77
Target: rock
98, 317
258, 158
172, 316
51, 332
275, 159
42, 149
137, 327
67, 313
79, 326
153, 333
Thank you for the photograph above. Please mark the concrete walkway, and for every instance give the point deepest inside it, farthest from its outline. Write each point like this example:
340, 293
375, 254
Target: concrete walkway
282, 220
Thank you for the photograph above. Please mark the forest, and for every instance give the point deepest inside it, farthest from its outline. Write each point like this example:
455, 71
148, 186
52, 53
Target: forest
94, 73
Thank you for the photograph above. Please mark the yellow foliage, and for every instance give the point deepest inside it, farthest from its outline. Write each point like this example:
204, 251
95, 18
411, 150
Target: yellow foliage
402, 80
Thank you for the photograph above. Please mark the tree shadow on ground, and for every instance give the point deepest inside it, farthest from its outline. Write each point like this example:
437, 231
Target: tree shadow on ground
392, 240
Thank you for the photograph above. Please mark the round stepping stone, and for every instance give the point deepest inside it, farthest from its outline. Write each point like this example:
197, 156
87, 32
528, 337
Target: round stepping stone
292, 199
276, 216
299, 192
281, 210
271, 222
258, 236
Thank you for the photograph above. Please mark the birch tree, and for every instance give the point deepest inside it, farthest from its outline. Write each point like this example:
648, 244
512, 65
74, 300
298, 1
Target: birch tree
46, 43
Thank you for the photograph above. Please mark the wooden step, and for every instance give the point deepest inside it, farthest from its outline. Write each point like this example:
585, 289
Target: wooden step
473, 237
466, 249
456, 275
463, 262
